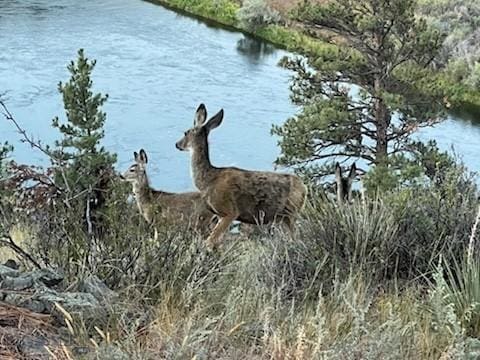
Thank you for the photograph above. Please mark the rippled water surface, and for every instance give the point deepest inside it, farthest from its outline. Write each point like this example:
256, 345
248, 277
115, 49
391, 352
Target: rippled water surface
157, 67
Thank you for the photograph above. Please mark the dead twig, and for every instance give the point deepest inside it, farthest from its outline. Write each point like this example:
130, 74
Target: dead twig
7, 241
34, 144
26, 138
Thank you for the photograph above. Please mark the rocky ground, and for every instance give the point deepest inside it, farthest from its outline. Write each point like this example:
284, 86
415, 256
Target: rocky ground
37, 310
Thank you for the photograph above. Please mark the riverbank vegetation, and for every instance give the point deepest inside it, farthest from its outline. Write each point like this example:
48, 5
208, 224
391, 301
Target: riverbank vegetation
393, 275
278, 21
460, 21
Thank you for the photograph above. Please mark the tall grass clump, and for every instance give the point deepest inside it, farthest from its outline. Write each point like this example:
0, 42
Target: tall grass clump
457, 282
356, 237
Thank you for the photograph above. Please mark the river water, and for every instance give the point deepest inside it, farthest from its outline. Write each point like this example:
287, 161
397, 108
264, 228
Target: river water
156, 66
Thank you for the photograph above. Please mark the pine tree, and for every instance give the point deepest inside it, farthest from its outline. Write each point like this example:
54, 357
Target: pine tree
87, 166
364, 94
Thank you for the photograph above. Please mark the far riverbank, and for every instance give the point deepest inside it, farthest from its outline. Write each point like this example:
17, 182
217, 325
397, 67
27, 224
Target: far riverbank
223, 13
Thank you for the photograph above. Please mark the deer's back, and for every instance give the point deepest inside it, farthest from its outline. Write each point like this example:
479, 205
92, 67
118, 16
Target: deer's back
257, 196
179, 208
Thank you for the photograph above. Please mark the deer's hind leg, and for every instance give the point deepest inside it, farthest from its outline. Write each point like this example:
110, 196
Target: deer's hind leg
289, 224
217, 233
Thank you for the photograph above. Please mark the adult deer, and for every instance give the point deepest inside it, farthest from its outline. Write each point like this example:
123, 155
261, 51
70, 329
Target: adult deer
163, 207
253, 197
344, 184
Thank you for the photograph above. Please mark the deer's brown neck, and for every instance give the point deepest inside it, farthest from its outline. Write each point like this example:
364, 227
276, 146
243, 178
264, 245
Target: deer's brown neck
142, 191
203, 172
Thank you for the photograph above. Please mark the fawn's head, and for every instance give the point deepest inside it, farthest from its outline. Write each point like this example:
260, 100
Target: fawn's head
136, 173
344, 185
197, 135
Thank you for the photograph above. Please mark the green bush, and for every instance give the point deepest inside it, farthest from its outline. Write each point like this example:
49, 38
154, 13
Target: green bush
436, 218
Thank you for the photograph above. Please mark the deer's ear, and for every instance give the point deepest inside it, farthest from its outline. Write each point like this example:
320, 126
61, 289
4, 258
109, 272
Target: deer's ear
143, 156
353, 172
200, 115
338, 173
215, 121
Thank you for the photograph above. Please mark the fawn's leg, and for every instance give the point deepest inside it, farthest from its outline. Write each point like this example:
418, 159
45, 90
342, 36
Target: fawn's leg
219, 230
289, 222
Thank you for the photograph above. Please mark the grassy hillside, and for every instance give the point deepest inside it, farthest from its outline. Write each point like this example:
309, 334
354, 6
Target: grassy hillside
380, 278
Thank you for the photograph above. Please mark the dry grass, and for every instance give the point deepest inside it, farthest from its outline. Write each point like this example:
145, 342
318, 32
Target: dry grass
19, 326
353, 322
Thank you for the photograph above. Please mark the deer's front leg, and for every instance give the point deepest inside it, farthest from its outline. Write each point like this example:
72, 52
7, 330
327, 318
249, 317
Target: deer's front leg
219, 230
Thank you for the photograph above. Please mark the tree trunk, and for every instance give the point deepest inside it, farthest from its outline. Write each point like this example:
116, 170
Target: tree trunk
381, 113
382, 120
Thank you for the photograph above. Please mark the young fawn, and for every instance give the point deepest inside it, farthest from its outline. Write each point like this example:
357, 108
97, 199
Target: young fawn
344, 185
253, 197
163, 207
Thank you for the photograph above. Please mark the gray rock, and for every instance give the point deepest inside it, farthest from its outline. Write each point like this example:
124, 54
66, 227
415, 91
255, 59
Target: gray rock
36, 306
48, 277
22, 282
33, 347
75, 303
15, 299
25, 301
94, 286
43, 300
32, 290
8, 271
12, 264
14, 280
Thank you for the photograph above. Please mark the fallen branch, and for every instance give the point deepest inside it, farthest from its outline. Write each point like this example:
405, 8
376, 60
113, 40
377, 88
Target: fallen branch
8, 242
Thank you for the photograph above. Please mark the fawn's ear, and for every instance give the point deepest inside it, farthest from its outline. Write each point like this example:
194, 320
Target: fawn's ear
200, 115
353, 173
143, 156
338, 173
215, 121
